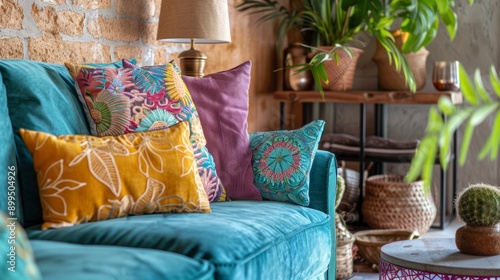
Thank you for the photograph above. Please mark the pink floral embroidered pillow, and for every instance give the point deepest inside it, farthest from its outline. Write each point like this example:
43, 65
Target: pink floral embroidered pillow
135, 99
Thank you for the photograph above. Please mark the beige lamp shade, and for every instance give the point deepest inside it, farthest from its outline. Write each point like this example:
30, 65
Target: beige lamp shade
205, 21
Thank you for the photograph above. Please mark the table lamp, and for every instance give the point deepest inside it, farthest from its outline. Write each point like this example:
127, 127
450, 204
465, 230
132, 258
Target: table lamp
194, 21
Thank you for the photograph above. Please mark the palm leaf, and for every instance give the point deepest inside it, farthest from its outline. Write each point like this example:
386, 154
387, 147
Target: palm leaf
150, 81
445, 119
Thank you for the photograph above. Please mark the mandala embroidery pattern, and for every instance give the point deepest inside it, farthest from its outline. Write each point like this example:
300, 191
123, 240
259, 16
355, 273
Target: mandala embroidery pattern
282, 161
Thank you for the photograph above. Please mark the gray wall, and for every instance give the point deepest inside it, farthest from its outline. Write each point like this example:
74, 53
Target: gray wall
476, 46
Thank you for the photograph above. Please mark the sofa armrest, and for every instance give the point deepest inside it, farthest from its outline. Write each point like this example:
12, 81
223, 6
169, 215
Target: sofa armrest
322, 193
323, 182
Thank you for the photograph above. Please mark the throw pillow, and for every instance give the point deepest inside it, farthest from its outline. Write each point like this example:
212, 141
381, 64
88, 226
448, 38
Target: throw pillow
222, 102
136, 99
282, 161
137, 173
74, 68
15, 249
45, 100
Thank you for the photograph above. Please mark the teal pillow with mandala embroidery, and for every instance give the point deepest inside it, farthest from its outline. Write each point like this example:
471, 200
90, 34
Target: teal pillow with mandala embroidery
137, 99
282, 161
15, 249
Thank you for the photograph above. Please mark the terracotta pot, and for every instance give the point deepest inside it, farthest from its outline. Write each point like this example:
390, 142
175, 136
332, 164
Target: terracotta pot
479, 241
341, 74
389, 78
297, 54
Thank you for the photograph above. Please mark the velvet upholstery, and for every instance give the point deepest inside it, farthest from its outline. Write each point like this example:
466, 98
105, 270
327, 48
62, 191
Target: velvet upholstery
8, 161
63, 261
294, 244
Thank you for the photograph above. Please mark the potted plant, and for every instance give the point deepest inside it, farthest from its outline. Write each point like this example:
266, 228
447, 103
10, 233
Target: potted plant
479, 207
325, 28
335, 23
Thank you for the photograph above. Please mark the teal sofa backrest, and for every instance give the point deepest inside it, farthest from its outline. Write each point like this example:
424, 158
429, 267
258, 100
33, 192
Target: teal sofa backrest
40, 96
9, 192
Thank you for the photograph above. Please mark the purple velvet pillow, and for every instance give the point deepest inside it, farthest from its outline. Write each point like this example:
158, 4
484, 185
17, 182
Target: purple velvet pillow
222, 103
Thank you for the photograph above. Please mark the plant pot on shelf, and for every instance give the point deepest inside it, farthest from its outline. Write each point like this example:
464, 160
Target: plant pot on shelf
391, 79
391, 203
341, 74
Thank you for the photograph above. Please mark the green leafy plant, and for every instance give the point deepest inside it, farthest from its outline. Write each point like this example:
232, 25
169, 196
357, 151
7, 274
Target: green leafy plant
446, 118
336, 23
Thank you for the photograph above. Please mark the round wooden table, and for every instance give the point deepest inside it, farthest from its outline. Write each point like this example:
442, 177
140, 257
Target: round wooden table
434, 258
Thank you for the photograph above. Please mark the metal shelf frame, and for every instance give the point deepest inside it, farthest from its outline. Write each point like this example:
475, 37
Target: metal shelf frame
379, 99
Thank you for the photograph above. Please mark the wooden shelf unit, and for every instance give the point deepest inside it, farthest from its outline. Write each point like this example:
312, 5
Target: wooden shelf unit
379, 99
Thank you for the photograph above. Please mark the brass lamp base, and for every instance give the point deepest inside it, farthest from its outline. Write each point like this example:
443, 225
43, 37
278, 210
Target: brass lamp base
192, 62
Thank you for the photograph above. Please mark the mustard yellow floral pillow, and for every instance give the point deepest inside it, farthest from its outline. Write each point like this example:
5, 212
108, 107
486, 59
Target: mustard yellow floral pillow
86, 178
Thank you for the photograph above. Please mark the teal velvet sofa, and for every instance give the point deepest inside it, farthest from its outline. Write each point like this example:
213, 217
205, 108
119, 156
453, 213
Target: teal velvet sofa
237, 240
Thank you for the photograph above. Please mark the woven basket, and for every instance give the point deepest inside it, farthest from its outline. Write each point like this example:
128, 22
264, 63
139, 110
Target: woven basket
390, 203
370, 242
344, 257
341, 74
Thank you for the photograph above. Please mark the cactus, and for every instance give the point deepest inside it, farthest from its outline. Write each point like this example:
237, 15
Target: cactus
479, 205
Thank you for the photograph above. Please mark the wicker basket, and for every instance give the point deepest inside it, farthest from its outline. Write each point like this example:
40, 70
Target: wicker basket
369, 242
390, 203
341, 74
344, 257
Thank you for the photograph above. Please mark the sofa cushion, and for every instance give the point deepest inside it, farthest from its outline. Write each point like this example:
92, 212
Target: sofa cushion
243, 239
62, 261
133, 174
282, 161
222, 102
134, 99
40, 96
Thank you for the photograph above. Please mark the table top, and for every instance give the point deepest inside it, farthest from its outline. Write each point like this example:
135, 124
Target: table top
369, 96
439, 255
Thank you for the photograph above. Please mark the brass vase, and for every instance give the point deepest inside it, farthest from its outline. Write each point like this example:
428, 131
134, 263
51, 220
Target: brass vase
297, 54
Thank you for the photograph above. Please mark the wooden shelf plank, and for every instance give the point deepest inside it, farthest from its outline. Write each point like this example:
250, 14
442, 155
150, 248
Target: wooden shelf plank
368, 97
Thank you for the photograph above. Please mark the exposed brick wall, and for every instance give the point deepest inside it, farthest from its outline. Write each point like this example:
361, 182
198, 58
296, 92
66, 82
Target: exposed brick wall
57, 31
82, 31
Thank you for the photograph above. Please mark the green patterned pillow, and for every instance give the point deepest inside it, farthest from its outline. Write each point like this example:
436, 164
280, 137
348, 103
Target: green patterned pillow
15, 249
282, 161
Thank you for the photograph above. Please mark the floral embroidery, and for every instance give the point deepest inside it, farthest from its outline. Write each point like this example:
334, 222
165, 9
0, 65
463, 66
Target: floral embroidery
282, 160
104, 171
137, 99
110, 112
52, 187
